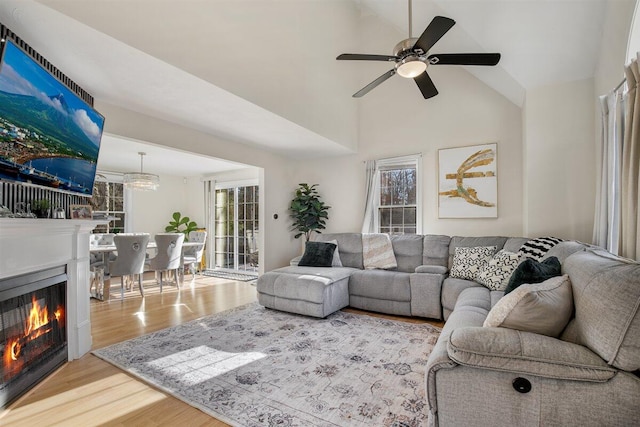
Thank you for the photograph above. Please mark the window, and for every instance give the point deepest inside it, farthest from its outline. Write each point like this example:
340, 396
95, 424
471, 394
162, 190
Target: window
398, 209
108, 200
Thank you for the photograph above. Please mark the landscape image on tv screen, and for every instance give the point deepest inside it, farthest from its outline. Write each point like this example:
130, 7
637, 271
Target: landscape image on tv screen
48, 135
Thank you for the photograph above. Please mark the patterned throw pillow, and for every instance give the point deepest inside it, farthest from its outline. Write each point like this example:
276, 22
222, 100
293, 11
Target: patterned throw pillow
467, 261
496, 273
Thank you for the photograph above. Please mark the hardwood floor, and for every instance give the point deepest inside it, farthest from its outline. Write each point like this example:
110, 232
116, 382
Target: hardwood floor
91, 392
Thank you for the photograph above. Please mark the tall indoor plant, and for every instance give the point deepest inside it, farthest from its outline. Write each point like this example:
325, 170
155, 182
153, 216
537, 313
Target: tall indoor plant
308, 212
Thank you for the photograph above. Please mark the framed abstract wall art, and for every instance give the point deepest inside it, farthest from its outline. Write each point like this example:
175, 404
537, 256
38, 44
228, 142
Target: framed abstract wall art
468, 182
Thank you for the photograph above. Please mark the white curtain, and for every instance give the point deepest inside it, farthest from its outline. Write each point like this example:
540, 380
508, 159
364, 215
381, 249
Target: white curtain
606, 231
371, 188
617, 226
629, 223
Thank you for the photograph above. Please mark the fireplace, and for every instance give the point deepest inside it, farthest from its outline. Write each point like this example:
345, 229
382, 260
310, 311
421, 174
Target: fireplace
33, 332
52, 251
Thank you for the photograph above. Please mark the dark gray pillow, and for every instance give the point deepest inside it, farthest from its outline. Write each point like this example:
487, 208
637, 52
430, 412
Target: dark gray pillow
317, 254
532, 271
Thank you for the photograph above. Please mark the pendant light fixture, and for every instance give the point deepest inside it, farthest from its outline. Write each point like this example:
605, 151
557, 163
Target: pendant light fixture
140, 180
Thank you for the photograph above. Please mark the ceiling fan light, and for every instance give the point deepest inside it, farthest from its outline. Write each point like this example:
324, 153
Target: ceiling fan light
410, 68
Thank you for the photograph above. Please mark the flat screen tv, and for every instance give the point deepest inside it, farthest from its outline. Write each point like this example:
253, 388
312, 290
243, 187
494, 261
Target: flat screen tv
49, 136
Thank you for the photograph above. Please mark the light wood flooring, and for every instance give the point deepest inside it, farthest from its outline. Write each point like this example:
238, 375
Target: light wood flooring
90, 392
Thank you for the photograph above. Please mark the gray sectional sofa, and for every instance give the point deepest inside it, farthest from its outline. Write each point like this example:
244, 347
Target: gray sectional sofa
493, 376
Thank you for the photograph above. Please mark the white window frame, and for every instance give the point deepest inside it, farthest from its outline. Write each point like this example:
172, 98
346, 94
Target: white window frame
414, 160
127, 202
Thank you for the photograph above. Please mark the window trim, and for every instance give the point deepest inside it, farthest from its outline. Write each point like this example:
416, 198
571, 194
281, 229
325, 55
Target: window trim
414, 160
127, 199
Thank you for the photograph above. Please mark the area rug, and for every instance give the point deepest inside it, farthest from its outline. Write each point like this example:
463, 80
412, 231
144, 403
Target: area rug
242, 277
252, 366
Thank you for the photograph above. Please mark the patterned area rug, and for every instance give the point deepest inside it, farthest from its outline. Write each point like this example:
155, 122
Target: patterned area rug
241, 277
252, 366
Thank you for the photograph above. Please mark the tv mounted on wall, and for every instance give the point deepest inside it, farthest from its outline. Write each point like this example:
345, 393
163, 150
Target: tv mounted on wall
49, 136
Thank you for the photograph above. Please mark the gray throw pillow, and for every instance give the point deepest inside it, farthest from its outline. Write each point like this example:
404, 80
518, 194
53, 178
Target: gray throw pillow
542, 308
317, 254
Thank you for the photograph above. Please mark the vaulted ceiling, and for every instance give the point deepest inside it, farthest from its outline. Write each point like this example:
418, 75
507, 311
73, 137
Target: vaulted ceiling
259, 71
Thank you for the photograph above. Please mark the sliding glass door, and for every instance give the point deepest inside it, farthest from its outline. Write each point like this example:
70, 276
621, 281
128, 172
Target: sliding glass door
236, 228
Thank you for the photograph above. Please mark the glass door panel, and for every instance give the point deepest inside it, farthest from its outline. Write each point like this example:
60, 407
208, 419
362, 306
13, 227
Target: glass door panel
236, 228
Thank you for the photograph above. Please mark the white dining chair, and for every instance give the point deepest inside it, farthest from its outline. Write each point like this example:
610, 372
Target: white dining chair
168, 255
192, 256
132, 251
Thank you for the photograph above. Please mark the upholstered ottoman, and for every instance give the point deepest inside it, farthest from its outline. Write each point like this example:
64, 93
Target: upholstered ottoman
312, 291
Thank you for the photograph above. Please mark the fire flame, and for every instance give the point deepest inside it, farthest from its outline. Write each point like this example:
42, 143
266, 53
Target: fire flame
38, 317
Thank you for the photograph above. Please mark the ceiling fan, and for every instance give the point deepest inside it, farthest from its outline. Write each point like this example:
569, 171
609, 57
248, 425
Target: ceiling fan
412, 58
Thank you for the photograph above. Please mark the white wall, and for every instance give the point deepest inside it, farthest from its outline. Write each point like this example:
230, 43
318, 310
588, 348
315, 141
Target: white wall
395, 120
560, 160
275, 174
609, 70
152, 210
633, 44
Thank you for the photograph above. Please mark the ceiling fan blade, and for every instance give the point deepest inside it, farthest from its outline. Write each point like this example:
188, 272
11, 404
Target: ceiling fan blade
365, 57
426, 86
374, 83
464, 59
434, 31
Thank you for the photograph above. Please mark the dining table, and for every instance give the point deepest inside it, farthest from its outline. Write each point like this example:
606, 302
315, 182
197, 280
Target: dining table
106, 250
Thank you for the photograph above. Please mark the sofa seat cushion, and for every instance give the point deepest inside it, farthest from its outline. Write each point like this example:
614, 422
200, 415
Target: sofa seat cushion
475, 297
526, 353
452, 288
378, 284
301, 283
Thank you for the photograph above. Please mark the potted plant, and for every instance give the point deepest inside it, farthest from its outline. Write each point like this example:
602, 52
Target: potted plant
41, 208
308, 212
181, 224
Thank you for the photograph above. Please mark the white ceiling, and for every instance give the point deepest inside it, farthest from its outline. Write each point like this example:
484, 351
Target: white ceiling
541, 42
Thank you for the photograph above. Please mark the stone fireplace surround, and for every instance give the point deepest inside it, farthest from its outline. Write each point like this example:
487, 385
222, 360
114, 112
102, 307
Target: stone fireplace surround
29, 245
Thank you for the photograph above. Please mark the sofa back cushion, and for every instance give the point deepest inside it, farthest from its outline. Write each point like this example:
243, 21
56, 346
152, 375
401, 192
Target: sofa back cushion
408, 251
563, 249
513, 244
606, 292
435, 250
458, 241
349, 247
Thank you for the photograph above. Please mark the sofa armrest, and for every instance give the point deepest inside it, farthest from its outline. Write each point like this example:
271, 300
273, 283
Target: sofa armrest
294, 262
503, 349
433, 269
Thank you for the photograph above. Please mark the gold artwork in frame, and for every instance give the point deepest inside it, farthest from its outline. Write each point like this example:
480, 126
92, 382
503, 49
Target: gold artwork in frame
468, 182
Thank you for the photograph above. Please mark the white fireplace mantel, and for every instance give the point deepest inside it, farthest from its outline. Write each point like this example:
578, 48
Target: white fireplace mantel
28, 245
